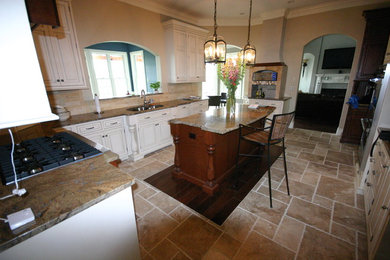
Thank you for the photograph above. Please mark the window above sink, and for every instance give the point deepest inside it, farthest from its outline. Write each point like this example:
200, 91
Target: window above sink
118, 69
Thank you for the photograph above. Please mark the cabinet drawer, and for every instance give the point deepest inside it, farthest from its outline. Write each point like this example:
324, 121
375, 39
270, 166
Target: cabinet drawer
112, 123
89, 127
153, 116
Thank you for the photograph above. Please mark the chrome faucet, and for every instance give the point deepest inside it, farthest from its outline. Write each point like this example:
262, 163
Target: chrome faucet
144, 94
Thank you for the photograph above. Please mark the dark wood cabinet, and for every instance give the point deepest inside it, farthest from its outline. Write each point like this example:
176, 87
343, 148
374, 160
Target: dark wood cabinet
376, 36
43, 12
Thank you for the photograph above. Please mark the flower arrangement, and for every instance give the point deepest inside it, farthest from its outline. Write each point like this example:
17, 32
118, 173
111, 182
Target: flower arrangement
231, 73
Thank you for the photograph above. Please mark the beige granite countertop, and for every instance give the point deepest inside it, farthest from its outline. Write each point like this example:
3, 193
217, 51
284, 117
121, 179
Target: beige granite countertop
278, 99
61, 193
218, 121
82, 118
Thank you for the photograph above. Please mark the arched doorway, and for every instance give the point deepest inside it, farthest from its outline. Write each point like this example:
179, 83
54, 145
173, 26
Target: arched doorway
323, 81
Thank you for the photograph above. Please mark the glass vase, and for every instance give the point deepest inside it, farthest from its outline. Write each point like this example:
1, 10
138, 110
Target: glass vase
231, 102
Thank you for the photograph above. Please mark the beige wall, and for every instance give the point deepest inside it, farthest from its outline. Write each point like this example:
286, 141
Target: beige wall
270, 48
109, 20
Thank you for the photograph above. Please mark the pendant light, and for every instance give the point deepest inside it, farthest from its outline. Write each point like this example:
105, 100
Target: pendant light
215, 47
249, 52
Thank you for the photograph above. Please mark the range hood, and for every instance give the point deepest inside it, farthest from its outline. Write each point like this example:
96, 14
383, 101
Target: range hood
23, 97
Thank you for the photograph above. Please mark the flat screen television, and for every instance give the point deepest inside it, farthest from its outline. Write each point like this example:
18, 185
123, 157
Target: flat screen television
340, 58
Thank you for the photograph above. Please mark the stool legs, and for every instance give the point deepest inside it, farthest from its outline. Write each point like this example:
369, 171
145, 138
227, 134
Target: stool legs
285, 167
269, 175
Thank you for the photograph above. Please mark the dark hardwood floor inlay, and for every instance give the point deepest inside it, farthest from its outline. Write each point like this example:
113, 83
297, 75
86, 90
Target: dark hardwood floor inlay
219, 206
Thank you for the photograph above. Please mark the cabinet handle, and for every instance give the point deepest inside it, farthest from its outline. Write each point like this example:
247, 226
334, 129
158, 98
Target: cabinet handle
58, 80
164, 114
369, 184
89, 128
157, 124
147, 117
373, 172
197, 77
384, 207
114, 123
62, 80
177, 77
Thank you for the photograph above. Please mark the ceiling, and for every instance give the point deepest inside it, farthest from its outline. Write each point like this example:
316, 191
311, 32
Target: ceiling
235, 12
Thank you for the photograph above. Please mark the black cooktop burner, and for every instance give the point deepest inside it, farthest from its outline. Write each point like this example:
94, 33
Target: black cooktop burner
40, 155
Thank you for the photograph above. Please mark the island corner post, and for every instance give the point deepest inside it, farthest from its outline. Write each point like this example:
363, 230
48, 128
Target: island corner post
206, 158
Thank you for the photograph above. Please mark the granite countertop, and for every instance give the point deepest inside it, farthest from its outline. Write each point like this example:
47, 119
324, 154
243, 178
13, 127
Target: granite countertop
217, 120
82, 118
278, 99
61, 193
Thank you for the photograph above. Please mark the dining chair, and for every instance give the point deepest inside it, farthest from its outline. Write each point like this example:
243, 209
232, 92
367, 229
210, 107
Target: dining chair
223, 98
265, 137
215, 101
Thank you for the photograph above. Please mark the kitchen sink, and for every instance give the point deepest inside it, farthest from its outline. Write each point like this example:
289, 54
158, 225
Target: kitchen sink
145, 108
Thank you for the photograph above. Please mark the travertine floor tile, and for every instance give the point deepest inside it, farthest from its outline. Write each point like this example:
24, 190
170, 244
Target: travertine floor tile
164, 202
259, 205
194, 236
310, 178
164, 250
300, 144
290, 233
344, 233
265, 228
299, 189
310, 213
321, 169
319, 245
362, 247
260, 247
311, 157
338, 190
239, 223
349, 216
225, 248
340, 157
324, 202
180, 213
276, 194
153, 227
147, 193
142, 206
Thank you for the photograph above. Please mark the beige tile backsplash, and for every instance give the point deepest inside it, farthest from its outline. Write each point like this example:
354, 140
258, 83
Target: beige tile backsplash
81, 101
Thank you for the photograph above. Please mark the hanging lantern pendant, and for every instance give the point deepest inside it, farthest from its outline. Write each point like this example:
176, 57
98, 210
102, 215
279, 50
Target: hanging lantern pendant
249, 52
215, 47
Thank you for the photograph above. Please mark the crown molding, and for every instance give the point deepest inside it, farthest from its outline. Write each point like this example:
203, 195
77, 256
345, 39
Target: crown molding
330, 6
161, 9
274, 14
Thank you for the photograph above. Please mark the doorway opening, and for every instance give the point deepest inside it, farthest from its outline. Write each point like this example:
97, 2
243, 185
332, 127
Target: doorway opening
324, 77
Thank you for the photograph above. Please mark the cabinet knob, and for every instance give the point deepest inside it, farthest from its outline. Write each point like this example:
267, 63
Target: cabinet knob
62, 80
384, 207
58, 80
369, 184
385, 166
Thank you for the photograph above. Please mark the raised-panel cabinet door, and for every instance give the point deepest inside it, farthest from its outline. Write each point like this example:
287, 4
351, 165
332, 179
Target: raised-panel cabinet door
46, 56
165, 133
191, 58
147, 136
96, 138
116, 141
180, 42
200, 65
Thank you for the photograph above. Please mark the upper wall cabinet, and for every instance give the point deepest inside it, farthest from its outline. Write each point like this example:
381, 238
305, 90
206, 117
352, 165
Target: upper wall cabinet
58, 52
184, 49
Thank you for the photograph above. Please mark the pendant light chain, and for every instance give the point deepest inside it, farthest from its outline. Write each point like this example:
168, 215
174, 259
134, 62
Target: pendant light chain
215, 18
249, 23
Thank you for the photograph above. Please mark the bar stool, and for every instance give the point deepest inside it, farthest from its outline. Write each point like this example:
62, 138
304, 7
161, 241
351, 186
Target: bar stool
223, 98
215, 101
266, 137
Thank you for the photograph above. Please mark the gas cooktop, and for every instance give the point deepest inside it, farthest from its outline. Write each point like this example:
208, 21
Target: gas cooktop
42, 154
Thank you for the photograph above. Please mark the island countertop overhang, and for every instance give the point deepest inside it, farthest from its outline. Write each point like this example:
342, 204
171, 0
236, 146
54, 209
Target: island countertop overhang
218, 121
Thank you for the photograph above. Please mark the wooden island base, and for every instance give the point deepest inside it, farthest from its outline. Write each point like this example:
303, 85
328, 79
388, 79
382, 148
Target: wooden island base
206, 158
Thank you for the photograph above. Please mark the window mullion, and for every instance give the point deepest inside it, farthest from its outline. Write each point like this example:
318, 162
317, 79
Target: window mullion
111, 74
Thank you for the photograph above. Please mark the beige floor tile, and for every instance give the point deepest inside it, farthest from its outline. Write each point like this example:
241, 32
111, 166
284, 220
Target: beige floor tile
311, 157
337, 190
320, 151
164, 202
310, 178
147, 193
362, 247
319, 245
258, 204
310, 213
194, 236
276, 194
324, 202
265, 228
300, 144
293, 165
142, 206
360, 201
321, 169
180, 256
330, 146
299, 189
344, 233
340, 157
331, 164
153, 227
289, 233
164, 250
148, 170
225, 248
180, 213
239, 223
350, 217
139, 186
260, 247
324, 140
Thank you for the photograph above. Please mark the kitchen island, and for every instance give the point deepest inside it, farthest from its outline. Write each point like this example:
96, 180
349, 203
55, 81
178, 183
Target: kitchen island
206, 144
82, 210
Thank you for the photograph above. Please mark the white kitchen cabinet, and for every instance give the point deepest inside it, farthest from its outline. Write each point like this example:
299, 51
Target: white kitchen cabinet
183, 111
281, 105
184, 49
377, 197
109, 132
58, 52
148, 136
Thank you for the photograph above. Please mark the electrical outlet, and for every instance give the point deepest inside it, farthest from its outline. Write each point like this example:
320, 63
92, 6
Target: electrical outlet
20, 218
